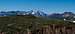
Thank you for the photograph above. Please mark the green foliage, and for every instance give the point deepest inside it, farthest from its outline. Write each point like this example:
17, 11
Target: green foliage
22, 23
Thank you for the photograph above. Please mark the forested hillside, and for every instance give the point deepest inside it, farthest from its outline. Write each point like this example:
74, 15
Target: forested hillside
24, 23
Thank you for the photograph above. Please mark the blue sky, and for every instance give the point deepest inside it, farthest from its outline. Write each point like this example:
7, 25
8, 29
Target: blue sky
48, 6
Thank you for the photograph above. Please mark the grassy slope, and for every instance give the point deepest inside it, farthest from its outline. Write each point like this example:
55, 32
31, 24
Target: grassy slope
17, 23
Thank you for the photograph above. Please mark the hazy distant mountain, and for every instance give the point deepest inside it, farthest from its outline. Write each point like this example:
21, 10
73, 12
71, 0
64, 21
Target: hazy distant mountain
35, 13
56, 16
9, 13
67, 15
39, 13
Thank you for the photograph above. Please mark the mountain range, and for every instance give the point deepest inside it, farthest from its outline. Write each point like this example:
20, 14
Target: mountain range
39, 13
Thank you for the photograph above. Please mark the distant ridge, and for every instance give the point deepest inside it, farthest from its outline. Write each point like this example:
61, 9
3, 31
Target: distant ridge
15, 13
38, 13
